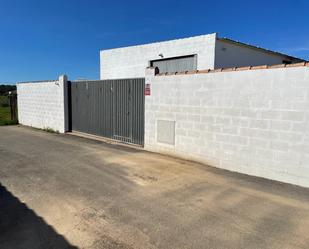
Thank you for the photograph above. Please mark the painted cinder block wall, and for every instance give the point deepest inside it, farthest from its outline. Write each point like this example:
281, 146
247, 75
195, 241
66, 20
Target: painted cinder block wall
130, 62
44, 104
254, 121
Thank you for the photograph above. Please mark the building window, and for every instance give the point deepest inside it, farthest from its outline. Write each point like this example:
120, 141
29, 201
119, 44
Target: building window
175, 64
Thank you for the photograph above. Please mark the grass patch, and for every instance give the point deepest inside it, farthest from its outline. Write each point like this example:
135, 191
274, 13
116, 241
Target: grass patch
4, 101
5, 116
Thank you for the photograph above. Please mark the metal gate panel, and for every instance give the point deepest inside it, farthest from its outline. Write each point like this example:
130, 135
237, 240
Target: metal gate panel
109, 108
138, 111
122, 107
105, 98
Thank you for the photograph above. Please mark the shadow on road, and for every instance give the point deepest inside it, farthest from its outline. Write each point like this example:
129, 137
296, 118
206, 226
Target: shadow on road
20, 227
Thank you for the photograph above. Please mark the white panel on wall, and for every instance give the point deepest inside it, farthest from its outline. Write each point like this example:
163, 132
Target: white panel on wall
166, 131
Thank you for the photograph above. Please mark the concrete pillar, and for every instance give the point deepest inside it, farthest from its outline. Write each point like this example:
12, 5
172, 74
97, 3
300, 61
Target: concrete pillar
150, 72
63, 82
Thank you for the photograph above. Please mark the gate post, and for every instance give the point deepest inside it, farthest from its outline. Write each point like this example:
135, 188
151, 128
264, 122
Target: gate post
63, 82
150, 122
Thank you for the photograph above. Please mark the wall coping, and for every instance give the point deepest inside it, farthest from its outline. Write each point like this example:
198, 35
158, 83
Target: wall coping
36, 81
234, 69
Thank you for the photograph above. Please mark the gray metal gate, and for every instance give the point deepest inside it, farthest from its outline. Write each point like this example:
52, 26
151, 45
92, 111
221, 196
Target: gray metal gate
109, 108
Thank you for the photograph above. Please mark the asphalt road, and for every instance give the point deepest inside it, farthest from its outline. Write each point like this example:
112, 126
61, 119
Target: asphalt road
61, 191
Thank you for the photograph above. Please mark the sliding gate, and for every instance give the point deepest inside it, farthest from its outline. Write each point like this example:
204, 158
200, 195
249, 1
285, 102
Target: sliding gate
109, 108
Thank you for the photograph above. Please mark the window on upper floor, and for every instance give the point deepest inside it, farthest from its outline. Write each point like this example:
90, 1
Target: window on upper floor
175, 64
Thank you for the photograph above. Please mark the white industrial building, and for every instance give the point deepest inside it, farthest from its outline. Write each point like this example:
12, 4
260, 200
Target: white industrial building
194, 53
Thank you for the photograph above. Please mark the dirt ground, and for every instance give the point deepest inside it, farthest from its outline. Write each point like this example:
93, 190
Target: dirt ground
62, 191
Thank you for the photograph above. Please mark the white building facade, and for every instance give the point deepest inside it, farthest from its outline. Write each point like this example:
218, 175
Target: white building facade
194, 53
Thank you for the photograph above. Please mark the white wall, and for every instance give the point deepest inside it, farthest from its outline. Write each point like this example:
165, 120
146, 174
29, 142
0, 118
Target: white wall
130, 62
233, 55
254, 122
43, 104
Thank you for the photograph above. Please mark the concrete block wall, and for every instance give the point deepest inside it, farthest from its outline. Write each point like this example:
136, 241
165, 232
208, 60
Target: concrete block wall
130, 62
43, 104
253, 121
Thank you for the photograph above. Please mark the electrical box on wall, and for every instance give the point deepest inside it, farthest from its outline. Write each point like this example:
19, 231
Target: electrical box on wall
166, 132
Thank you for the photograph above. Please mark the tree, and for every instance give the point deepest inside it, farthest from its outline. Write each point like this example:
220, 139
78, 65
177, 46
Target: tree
4, 89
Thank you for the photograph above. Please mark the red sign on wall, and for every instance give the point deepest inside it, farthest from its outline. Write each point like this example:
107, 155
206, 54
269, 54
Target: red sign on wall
147, 89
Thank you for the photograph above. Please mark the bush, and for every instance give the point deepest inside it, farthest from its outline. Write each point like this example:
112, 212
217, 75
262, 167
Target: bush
4, 105
4, 89
4, 101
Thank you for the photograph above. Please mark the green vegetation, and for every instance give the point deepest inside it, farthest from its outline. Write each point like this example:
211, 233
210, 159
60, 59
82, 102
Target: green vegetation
4, 89
5, 111
4, 101
5, 116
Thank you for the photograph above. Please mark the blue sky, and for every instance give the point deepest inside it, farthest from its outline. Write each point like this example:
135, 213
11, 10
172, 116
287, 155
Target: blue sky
41, 39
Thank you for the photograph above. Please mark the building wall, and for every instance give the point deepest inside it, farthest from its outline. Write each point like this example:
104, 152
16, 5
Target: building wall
254, 122
43, 104
130, 62
233, 55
